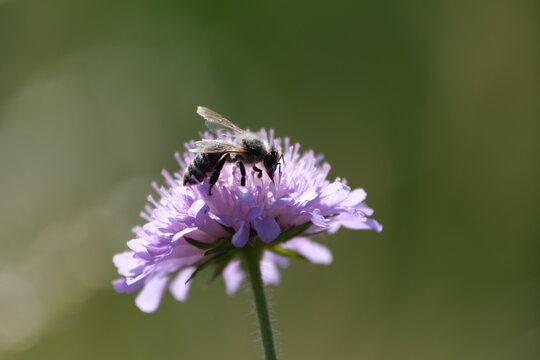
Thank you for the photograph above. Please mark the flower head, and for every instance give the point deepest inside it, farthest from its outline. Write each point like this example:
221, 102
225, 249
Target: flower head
188, 230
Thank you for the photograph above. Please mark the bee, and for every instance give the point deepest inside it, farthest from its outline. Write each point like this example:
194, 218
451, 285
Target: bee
244, 148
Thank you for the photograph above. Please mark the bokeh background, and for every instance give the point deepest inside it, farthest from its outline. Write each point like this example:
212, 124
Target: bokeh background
432, 107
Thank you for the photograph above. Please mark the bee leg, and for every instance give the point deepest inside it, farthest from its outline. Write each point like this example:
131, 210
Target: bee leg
258, 171
242, 172
215, 173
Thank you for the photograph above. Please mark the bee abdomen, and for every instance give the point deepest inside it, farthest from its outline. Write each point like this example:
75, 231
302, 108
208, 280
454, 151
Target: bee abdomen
201, 165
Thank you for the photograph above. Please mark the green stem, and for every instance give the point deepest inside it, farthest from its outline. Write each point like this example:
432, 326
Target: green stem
252, 261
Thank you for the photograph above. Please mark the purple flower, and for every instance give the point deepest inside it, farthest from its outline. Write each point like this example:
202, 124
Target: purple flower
188, 230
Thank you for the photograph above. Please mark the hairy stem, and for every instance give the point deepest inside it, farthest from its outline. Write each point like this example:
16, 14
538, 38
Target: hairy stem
252, 258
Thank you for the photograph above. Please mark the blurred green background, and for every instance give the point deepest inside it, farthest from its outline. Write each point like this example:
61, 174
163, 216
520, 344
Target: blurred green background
432, 107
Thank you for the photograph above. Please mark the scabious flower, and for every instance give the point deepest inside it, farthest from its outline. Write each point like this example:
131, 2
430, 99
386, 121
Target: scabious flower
188, 230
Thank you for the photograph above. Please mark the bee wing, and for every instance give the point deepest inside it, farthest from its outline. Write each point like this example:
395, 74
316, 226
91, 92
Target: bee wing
216, 146
216, 122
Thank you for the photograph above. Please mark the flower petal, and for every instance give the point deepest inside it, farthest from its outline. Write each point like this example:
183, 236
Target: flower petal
241, 236
150, 296
307, 197
233, 275
374, 225
183, 232
139, 279
121, 285
127, 264
267, 228
254, 212
198, 209
317, 219
286, 200
355, 221
279, 260
137, 245
179, 287
270, 272
355, 197
365, 209
244, 194
314, 252
334, 193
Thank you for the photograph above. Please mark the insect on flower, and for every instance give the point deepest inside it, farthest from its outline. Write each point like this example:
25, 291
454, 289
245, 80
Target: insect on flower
187, 229
240, 146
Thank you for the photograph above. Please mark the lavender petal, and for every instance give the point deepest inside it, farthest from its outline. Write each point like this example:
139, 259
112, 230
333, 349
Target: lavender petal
150, 296
267, 228
179, 287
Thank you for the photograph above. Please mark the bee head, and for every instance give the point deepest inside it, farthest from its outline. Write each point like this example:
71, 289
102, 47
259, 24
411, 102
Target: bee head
271, 161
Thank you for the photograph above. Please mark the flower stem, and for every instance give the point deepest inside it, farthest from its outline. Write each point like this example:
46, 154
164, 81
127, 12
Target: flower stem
252, 257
